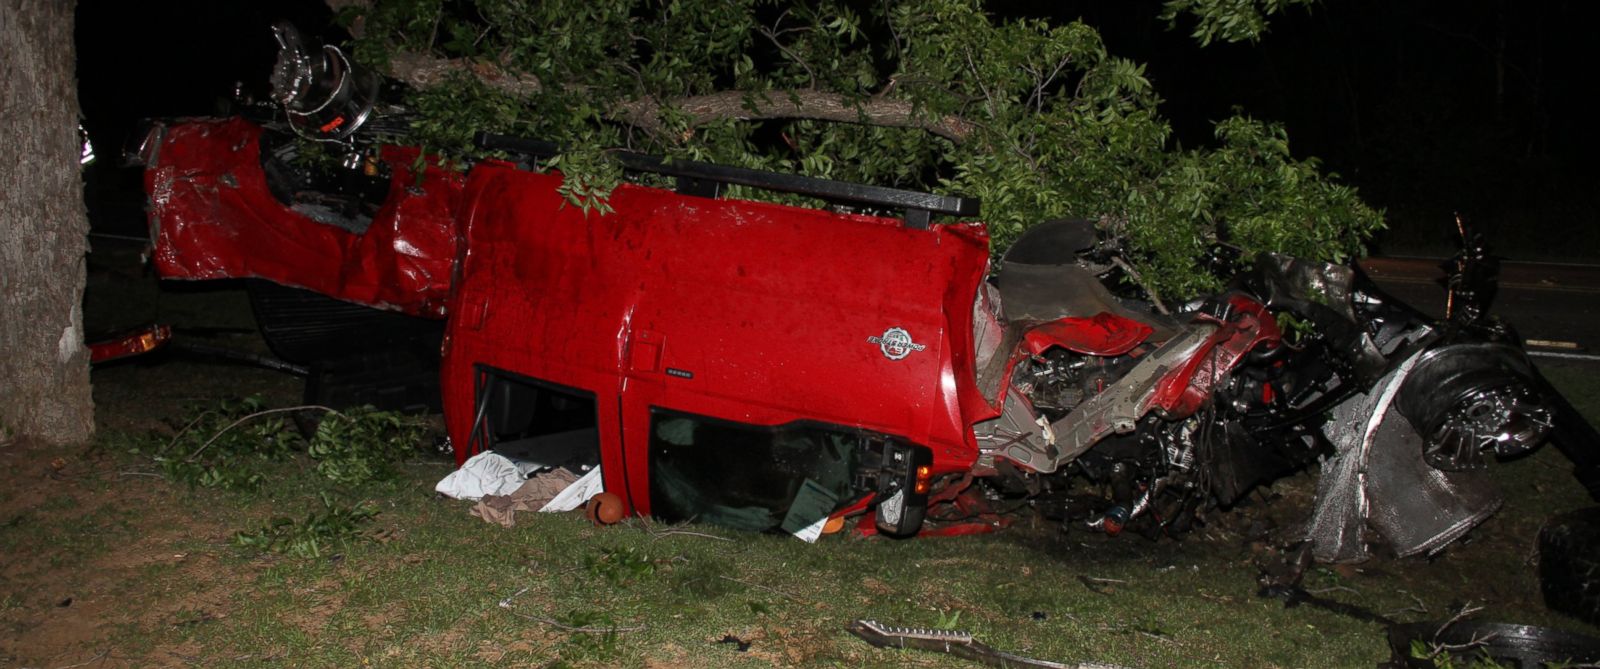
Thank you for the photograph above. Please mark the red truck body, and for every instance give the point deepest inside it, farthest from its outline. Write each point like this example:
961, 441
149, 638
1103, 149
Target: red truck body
767, 367
773, 367
212, 216
743, 311
758, 314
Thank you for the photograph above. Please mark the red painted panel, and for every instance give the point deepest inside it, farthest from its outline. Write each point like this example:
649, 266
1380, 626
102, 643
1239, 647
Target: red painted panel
1185, 389
744, 311
212, 217
1104, 334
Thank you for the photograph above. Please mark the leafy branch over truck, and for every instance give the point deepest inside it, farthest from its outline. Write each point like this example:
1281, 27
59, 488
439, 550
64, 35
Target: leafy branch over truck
1037, 120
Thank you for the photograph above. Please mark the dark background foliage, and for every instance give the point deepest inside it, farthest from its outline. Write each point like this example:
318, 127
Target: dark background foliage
1428, 107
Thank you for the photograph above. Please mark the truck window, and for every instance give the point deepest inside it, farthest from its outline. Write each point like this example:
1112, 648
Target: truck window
534, 421
750, 477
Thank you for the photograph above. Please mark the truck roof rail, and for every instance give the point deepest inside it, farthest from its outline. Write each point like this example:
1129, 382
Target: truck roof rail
707, 180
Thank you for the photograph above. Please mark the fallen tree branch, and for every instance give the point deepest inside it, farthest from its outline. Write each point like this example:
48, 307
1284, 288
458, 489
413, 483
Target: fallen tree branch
88, 662
657, 534
258, 414
421, 70
506, 603
795, 104
1466, 611
1155, 298
758, 586
649, 527
183, 431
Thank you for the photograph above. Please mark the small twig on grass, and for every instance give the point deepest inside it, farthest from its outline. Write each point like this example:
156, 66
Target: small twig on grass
1437, 649
100, 656
183, 431
580, 630
1158, 637
758, 586
1530, 558
1466, 610
686, 533
1334, 588
506, 603
1408, 609
1419, 607
1099, 586
655, 534
258, 414
149, 474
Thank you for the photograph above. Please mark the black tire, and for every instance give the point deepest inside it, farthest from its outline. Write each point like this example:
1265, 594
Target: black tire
1569, 564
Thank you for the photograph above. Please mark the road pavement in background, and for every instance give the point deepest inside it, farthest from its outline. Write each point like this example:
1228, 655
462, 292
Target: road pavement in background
1548, 302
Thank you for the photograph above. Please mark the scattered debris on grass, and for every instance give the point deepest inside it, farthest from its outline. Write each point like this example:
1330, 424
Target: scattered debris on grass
315, 536
671, 530
738, 644
620, 565
1100, 586
364, 444
225, 445
605, 509
957, 643
758, 586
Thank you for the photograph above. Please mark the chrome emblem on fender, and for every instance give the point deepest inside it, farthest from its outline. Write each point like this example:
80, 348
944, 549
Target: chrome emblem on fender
896, 343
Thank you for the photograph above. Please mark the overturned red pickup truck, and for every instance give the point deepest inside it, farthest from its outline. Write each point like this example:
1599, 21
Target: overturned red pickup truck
766, 366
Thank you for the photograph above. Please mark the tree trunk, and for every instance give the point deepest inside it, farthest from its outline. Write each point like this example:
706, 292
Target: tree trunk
44, 367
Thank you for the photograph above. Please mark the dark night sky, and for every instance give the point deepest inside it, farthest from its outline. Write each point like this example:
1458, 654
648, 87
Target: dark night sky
1428, 106
174, 57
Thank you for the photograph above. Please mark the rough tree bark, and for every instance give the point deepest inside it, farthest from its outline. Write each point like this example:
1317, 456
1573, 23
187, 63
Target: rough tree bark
44, 367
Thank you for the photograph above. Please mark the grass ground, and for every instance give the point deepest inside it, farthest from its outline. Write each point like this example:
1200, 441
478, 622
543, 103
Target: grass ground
105, 563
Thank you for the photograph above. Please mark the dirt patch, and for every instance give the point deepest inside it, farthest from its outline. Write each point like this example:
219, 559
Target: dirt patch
91, 554
101, 558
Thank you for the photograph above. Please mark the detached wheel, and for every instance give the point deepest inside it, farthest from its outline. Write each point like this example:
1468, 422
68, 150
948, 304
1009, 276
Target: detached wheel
1569, 564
